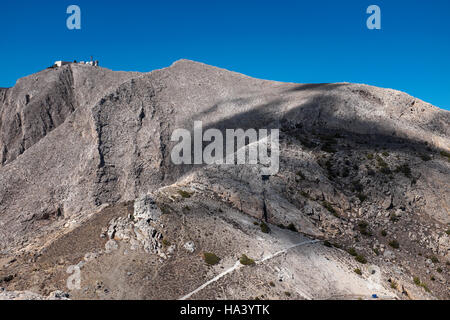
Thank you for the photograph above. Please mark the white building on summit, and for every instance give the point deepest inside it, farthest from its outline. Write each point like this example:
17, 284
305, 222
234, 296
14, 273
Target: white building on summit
63, 63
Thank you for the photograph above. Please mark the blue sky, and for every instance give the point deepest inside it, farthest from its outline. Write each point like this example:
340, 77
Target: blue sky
295, 41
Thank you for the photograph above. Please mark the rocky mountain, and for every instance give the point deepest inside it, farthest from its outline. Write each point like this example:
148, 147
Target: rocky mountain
360, 205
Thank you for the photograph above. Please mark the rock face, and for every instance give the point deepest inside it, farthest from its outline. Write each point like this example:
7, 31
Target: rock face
355, 161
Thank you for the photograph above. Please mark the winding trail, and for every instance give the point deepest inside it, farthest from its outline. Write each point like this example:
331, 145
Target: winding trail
238, 265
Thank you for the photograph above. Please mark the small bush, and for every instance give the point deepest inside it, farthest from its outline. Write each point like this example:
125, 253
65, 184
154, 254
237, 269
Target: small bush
301, 175
361, 259
362, 197
246, 261
352, 252
329, 207
420, 284
394, 244
384, 233
326, 243
370, 156
405, 169
394, 284
394, 218
425, 157
385, 154
288, 294
211, 258
292, 227
439, 270
264, 227
434, 259
184, 194
448, 232
271, 284
445, 154
166, 242
358, 271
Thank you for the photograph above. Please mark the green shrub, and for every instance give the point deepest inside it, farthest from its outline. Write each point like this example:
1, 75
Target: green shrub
405, 169
394, 218
329, 207
425, 157
292, 227
246, 261
288, 294
439, 270
370, 156
421, 284
445, 154
362, 197
358, 271
352, 252
384, 233
211, 258
394, 244
434, 259
166, 242
301, 175
264, 227
184, 194
326, 243
271, 284
394, 284
385, 154
361, 259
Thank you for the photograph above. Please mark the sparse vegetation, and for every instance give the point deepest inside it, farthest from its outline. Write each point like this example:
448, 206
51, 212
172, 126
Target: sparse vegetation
352, 252
246, 261
394, 284
327, 243
264, 227
420, 284
361, 259
434, 259
358, 271
362, 227
362, 197
292, 227
166, 242
424, 157
394, 244
184, 194
445, 154
329, 207
301, 175
394, 218
210, 258
405, 169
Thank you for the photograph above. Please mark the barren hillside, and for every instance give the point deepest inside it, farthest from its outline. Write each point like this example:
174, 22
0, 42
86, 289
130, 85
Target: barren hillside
360, 205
